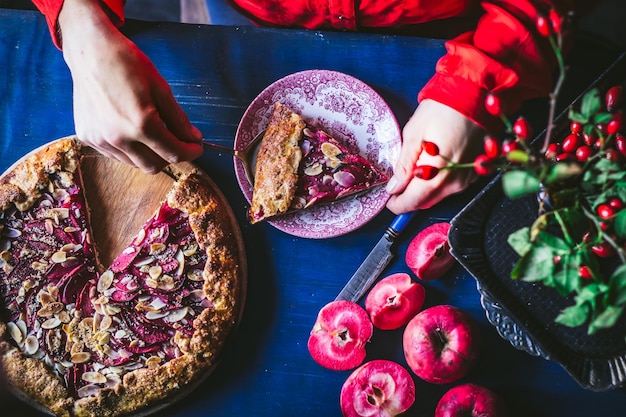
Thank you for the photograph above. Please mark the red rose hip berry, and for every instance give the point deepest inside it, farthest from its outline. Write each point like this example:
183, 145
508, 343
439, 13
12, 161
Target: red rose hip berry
613, 97
430, 148
425, 172
521, 128
583, 153
493, 104
394, 300
571, 143
605, 211
613, 126
483, 165
616, 203
620, 144
492, 147
509, 145
543, 26
575, 127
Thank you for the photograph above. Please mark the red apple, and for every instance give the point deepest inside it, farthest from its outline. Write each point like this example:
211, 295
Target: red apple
470, 400
379, 388
441, 344
394, 300
428, 254
337, 340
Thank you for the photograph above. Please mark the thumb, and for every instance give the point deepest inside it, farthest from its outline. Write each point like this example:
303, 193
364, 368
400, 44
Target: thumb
405, 166
401, 177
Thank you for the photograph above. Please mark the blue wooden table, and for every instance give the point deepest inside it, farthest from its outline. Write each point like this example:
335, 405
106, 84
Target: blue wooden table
215, 72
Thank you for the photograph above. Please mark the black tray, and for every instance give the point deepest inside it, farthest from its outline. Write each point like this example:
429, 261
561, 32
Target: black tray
524, 312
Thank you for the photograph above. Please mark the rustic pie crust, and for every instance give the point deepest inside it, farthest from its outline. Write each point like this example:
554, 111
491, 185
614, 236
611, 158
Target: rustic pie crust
79, 339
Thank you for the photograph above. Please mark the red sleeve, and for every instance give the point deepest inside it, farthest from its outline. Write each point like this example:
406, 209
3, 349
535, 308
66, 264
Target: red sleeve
349, 14
51, 9
505, 54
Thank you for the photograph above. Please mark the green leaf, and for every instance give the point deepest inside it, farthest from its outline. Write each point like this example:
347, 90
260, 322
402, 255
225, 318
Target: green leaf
563, 171
517, 156
538, 265
557, 245
620, 224
566, 279
518, 183
590, 293
602, 118
573, 316
520, 241
591, 103
576, 116
618, 285
606, 319
602, 171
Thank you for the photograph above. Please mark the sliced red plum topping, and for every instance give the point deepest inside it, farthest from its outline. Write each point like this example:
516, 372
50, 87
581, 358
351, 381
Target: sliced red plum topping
92, 329
330, 171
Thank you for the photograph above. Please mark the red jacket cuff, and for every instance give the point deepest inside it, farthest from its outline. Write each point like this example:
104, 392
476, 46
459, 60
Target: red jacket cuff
51, 9
463, 96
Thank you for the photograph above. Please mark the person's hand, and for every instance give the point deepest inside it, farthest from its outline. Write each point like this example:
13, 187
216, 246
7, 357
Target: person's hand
458, 138
122, 106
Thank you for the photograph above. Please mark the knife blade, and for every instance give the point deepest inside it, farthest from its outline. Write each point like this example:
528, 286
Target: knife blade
377, 260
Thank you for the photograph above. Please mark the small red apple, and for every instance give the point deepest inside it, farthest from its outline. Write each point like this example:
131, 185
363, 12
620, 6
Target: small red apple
337, 340
441, 344
394, 300
470, 400
379, 388
428, 254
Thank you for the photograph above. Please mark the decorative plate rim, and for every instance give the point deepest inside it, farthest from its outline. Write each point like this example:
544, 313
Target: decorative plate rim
359, 116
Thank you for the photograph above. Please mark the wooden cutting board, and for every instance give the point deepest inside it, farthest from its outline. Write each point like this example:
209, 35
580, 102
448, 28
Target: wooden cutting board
121, 199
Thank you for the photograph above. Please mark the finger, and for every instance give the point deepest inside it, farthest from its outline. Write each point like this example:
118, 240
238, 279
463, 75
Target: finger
173, 115
403, 170
131, 152
145, 159
162, 142
418, 194
107, 150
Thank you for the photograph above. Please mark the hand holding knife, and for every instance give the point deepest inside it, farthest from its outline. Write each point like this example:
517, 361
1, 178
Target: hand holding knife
376, 261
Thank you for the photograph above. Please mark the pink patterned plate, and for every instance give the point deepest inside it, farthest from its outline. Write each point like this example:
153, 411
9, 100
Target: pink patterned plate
352, 112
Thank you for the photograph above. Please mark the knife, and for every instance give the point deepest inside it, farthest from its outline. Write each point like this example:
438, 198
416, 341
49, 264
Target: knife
376, 261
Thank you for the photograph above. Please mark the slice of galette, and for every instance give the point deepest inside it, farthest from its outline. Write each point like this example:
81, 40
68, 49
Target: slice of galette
299, 166
84, 343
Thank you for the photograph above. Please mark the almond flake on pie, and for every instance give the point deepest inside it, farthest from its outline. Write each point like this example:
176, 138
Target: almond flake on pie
81, 342
299, 166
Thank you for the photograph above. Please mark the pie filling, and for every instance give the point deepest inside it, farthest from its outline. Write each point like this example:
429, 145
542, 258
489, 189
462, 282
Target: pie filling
329, 171
91, 329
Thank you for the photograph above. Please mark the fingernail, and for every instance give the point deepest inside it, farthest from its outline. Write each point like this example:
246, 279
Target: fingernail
392, 185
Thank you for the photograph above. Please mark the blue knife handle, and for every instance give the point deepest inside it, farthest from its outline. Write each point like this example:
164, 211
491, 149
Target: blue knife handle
401, 221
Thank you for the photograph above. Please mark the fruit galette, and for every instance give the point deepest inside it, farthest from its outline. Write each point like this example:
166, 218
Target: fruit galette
82, 340
299, 165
